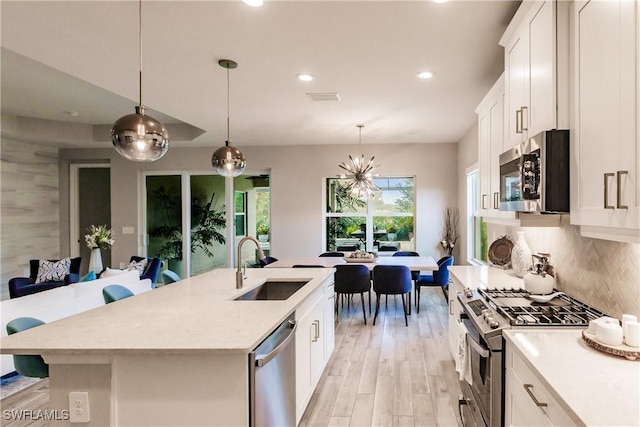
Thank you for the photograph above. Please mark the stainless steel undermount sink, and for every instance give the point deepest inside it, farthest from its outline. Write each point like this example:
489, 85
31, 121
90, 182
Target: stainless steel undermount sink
272, 290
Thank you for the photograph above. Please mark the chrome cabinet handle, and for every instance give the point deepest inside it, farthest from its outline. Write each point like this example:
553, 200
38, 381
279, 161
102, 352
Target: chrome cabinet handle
451, 307
519, 120
523, 115
316, 327
496, 199
528, 387
606, 191
619, 204
484, 201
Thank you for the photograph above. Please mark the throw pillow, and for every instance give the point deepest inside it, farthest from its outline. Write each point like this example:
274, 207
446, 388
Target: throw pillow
88, 277
49, 271
139, 265
111, 272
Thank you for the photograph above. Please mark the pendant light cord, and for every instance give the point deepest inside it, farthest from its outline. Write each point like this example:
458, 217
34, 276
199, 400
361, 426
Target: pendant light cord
360, 126
140, 46
228, 103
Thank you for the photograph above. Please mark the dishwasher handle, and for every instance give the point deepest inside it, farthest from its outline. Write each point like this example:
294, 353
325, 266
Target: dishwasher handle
263, 359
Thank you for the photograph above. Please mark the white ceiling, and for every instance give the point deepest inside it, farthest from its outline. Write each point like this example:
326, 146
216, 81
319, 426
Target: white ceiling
60, 56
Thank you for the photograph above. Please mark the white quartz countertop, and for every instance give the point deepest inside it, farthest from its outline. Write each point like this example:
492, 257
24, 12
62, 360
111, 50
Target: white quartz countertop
601, 390
486, 277
195, 315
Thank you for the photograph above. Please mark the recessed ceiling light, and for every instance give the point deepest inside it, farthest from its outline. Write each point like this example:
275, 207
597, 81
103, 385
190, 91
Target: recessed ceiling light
305, 77
253, 3
425, 75
440, 1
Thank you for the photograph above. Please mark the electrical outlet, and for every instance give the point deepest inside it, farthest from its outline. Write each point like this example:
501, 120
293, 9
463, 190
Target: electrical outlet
121, 265
79, 407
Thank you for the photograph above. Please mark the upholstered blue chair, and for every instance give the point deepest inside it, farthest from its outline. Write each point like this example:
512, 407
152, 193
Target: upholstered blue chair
391, 280
169, 276
151, 271
28, 365
267, 260
414, 274
21, 286
113, 293
440, 277
353, 279
332, 254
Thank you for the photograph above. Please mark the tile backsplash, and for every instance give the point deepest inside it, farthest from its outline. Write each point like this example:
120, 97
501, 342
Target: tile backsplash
601, 273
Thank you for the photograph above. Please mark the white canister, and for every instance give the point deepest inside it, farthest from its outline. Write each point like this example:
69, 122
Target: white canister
632, 339
627, 318
609, 333
604, 319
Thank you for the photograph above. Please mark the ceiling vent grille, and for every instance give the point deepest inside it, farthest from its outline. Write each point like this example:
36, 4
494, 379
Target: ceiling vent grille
327, 96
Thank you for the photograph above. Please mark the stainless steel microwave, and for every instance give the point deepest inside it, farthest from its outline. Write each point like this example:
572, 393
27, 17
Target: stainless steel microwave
534, 176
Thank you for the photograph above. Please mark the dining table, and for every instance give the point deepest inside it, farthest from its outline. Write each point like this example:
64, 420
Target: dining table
415, 264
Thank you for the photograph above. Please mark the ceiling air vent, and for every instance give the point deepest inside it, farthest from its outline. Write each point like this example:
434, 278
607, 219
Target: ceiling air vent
327, 96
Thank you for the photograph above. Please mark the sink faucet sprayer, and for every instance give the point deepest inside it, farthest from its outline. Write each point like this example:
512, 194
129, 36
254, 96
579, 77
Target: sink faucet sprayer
240, 273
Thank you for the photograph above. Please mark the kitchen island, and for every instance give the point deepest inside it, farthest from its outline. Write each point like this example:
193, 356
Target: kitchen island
177, 355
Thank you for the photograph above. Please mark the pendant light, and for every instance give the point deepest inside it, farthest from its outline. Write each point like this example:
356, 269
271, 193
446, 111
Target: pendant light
140, 137
360, 173
228, 161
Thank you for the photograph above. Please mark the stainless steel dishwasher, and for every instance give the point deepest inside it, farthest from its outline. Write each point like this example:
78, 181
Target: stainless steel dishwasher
272, 368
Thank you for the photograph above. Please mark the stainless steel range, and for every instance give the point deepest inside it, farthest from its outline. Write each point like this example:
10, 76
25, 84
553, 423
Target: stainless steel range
486, 313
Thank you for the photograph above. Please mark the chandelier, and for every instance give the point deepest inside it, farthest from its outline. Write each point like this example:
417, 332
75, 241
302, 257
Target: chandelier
140, 137
228, 161
359, 173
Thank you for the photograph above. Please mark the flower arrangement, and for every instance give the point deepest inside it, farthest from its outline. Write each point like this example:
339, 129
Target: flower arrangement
99, 237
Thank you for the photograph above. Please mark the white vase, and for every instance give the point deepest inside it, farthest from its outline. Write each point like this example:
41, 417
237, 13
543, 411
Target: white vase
520, 255
95, 261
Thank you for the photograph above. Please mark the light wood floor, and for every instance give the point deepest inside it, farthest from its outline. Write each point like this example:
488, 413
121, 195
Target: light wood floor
383, 375
389, 374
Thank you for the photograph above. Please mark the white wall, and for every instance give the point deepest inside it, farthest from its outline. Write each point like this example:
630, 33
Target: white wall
297, 174
467, 156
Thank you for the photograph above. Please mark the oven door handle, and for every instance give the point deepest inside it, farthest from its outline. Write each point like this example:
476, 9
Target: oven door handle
483, 352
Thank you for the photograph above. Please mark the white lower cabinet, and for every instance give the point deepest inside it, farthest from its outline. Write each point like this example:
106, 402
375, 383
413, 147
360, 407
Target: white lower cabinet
314, 342
528, 402
455, 308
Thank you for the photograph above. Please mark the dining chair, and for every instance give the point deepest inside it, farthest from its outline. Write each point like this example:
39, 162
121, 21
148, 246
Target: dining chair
267, 260
440, 277
113, 293
352, 279
391, 280
27, 365
332, 254
169, 276
414, 274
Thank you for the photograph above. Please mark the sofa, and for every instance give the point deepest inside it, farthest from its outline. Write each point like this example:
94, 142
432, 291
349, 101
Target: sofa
21, 286
151, 271
64, 301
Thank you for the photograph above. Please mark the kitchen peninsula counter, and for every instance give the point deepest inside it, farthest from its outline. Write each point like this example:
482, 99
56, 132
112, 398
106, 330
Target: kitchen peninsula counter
179, 355
599, 389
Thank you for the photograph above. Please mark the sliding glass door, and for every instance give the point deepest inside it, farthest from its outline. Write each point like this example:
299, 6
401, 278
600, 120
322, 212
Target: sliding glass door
186, 219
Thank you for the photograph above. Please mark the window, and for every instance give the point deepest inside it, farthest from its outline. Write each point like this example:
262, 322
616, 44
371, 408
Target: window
385, 222
241, 213
477, 237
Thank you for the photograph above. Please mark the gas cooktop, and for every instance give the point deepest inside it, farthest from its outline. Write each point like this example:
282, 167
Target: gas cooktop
515, 305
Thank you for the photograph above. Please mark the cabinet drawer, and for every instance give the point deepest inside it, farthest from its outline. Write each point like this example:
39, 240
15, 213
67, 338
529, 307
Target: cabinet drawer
523, 378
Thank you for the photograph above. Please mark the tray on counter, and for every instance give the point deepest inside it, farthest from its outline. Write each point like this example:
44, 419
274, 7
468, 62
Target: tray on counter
628, 352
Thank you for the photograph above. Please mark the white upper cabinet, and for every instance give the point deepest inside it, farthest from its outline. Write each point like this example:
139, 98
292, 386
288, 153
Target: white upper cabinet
491, 144
532, 71
604, 125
